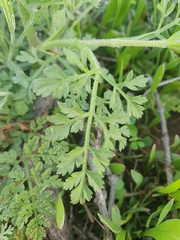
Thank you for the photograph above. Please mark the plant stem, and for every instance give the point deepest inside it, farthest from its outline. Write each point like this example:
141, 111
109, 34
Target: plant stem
82, 15
90, 119
113, 42
28, 176
117, 42
28, 25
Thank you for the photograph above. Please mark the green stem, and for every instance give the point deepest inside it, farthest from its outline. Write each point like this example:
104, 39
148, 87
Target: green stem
90, 119
28, 31
113, 42
28, 176
84, 14
169, 26
161, 22
130, 157
48, 61
154, 13
28, 25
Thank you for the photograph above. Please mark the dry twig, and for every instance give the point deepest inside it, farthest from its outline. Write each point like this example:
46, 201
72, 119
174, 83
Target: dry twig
165, 139
101, 195
166, 143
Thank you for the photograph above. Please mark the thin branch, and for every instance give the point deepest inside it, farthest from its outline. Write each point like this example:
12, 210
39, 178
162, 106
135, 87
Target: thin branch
92, 236
165, 138
163, 83
111, 177
166, 143
112, 42
100, 200
101, 195
112, 182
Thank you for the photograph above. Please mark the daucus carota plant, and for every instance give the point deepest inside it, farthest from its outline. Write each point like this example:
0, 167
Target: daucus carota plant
42, 158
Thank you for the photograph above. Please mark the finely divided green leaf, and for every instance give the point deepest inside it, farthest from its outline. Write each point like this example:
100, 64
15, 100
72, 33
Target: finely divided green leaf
101, 158
108, 77
59, 119
75, 111
34, 230
22, 79
69, 160
134, 109
115, 101
73, 181
54, 78
95, 180
55, 133
33, 143
134, 83
44, 147
81, 194
60, 19
6, 230
77, 126
45, 86
18, 175
8, 157
73, 59
116, 117
25, 57
24, 214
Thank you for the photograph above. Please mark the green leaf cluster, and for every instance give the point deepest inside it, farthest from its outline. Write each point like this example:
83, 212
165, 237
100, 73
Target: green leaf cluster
27, 195
46, 52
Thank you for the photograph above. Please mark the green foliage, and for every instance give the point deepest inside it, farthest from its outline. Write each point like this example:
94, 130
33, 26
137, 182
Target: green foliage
165, 211
6, 231
171, 187
111, 224
162, 231
60, 212
157, 78
91, 128
137, 177
174, 104
29, 206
